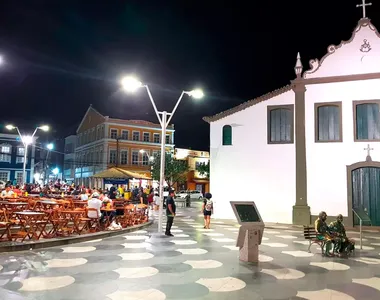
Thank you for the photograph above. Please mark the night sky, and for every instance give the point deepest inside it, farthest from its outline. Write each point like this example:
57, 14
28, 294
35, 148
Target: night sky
62, 56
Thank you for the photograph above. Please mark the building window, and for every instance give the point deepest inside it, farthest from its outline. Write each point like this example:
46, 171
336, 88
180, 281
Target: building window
146, 137
124, 157
97, 132
280, 124
227, 135
4, 176
167, 139
367, 120
19, 160
19, 177
20, 150
124, 135
328, 122
6, 149
112, 157
136, 136
135, 157
145, 158
5, 158
113, 133
156, 138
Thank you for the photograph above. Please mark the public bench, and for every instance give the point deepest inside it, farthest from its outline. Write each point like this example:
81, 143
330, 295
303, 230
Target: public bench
310, 235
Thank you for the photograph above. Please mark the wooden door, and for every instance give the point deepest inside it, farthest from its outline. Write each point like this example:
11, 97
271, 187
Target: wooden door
366, 192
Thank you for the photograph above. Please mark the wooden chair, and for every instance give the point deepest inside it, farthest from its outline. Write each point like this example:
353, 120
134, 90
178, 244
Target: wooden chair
5, 226
92, 223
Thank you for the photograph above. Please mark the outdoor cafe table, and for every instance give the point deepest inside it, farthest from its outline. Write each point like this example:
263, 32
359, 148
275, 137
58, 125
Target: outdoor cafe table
12, 207
32, 224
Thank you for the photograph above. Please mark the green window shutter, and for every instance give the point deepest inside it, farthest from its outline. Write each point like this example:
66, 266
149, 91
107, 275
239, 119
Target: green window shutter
227, 135
328, 123
367, 121
281, 120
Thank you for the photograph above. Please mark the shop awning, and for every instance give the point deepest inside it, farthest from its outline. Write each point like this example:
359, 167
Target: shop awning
200, 180
120, 173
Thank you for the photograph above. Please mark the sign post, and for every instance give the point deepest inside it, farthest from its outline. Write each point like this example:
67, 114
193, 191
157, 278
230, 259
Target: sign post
251, 230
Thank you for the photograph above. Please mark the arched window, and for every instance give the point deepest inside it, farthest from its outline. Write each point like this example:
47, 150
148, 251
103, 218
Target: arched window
227, 135
280, 124
328, 118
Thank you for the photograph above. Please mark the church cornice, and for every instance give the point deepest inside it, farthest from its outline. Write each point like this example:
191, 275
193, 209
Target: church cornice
315, 64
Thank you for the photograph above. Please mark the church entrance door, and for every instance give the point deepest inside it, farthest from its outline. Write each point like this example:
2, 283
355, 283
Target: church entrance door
366, 192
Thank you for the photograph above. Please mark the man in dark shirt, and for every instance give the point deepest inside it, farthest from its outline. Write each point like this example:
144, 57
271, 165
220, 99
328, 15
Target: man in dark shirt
170, 212
112, 194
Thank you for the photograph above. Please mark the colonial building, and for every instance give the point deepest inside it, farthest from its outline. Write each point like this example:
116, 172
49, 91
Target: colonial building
12, 159
103, 142
194, 180
310, 146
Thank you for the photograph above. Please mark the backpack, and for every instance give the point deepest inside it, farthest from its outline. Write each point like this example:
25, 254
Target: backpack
208, 205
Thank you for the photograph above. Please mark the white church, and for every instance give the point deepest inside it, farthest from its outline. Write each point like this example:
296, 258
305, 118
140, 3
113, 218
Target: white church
310, 146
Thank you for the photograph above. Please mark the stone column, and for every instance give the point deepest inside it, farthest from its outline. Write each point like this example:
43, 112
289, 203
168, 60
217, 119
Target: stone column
301, 211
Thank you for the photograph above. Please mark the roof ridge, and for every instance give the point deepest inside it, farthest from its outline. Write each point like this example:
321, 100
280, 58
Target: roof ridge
247, 104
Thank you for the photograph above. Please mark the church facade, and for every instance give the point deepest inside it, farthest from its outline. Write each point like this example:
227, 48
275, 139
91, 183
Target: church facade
311, 146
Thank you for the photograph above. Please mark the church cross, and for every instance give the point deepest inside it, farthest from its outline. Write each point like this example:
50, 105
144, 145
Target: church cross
368, 149
363, 5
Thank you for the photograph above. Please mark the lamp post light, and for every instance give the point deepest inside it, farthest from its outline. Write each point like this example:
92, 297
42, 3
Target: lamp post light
150, 158
26, 141
132, 84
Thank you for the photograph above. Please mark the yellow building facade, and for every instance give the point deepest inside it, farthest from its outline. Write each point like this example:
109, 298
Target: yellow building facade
194, 180
104, 142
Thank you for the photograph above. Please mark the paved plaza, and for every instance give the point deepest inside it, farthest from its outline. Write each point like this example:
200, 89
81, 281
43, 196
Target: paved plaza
195, 264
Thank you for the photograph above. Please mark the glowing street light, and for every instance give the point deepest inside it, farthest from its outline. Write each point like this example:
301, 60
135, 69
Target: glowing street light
44, 128
55, 171
150, 158
131, 84
26, 141
50, 146
1, 60
196, 94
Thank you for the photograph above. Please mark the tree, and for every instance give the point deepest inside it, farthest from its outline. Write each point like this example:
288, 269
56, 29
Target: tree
204, 169
175, 170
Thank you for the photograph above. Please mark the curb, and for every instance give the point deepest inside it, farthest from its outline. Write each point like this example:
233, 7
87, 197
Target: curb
18, 246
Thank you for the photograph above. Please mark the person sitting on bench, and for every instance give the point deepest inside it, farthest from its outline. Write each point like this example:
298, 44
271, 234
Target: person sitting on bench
323, 232
345, 246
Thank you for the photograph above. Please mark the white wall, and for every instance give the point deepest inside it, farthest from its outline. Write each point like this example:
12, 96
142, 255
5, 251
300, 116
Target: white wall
326, 162
250, 169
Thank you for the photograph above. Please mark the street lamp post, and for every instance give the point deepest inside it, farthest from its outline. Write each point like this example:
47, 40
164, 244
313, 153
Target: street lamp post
26, 141
131, 84
150, 158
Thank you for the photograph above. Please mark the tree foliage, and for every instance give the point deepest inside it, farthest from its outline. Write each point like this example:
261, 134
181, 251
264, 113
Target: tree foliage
204, 169
175, 170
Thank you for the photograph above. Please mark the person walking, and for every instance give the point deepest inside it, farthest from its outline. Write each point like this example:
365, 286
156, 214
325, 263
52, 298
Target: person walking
207, 208
170, 212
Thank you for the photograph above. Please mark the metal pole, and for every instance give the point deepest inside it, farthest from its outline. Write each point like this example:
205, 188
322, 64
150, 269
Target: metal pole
162, 171
361, 237
24, 165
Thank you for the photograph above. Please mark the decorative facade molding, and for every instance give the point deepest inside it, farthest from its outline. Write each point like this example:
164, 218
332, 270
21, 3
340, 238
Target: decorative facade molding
315, 64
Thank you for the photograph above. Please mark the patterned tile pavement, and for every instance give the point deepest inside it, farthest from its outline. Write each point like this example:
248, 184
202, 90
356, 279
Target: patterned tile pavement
194, 264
